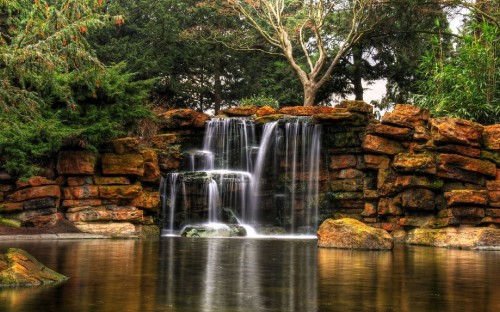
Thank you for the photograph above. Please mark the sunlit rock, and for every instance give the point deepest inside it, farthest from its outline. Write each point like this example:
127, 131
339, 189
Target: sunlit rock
406, 115
461, 237
76, 162
19, 268
491, 137
214, 230
352, 234
240, 111
126, 164
183, 118
454, 130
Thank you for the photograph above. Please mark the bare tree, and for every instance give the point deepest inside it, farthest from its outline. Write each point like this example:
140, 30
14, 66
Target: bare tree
313, 35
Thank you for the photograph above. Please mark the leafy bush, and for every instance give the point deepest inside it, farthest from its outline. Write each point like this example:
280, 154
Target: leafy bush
259, 101
464, 84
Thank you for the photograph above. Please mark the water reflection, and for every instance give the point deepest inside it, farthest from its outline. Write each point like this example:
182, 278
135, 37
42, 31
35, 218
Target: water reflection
182, 274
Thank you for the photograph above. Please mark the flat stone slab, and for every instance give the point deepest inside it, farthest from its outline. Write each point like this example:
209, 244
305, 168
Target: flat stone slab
462, 237
53, 236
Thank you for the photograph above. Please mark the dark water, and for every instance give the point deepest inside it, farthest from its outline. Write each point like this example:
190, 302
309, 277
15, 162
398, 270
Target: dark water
181, 274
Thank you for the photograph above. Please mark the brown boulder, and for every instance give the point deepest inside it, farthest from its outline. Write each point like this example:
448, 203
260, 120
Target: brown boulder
19, 268
126, 164
265, 111
183, 118
452, 237
469, 164
491, 137
106, 228
352, 234
376, 144
81, 192
406, 115
454, 130
466, 197
397, 133
119, 191
240, 111
414, 163
76, 162
36, 192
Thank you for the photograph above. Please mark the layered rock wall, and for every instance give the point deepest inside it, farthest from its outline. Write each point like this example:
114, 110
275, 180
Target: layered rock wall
408, 170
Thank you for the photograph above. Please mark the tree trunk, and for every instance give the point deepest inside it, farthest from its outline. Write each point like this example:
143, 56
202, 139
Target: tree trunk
309, 95
357, 79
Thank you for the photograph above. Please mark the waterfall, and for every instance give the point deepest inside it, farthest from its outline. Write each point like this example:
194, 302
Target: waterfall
234, 180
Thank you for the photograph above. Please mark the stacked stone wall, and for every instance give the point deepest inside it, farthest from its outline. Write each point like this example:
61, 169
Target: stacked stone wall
408, 170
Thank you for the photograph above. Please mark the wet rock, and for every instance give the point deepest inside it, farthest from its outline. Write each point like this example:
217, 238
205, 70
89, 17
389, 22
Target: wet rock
352, 234
206, 231
491, 137
76, 162
469, 164
265, 111
414, 163
380, 145
466, 197
462, 237
240, 111
454, 130
183, 118
36, 192
170, 159
19, 268
267, 118
406, 115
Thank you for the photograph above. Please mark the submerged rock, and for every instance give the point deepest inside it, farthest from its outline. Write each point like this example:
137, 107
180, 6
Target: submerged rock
461, 237
19, 268
349, 233
210, 230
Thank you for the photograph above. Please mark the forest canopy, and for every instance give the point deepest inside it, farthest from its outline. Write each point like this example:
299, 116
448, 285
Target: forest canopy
77, 73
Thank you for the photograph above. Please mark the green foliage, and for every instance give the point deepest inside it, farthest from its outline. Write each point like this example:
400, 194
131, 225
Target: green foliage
54, 91
259, 101
464, 84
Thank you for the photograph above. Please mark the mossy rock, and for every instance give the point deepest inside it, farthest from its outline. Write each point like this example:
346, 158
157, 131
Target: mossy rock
19, 268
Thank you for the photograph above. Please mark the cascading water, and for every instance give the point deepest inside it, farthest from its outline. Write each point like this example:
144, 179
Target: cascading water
232, 180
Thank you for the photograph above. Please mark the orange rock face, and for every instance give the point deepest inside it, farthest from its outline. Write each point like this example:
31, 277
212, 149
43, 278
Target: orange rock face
491, 137
376, 161
106, 213
151, 166
126, 145
381, 145
147, 200
76, 162
455, 130
34, 181
469, 164
356, 106
417, 199
265, 111
163, 140
343, 161
418, 163
466, 197
406, 115
398, 133
81, 192
307, 110
183, 118
119, 191
36, 192
240, 111
127, 164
